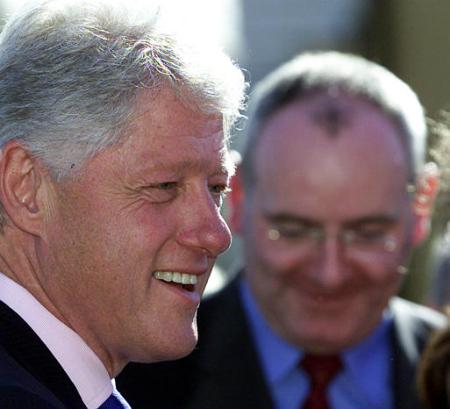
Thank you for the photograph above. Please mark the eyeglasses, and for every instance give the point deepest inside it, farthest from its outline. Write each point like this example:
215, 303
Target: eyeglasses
375, 234
368, 239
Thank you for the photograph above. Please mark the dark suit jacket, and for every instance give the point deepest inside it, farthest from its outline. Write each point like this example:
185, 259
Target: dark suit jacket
30, 376
224, 372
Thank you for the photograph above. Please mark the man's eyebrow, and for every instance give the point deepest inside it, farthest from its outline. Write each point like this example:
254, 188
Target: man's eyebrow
222, 168
379, 220
290, 218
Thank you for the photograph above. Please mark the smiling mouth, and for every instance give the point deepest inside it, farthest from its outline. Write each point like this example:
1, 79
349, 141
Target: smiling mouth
183, 280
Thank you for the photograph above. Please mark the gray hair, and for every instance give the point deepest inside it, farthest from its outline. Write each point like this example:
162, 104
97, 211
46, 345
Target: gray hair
71, 72
333, 72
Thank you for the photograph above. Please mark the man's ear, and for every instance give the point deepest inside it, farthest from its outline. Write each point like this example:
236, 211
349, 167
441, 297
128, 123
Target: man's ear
236, 201
427, 188
20, 180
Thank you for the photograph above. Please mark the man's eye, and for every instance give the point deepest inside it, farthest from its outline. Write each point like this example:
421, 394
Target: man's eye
164, 185
220, 189
296, 231
161, 192
366, 236
219, 192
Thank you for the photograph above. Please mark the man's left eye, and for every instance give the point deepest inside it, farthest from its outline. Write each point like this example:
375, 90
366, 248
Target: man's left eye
368, 236
219, 191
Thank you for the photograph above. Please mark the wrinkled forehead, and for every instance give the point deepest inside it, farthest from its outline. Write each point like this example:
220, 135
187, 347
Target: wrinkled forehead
168, 134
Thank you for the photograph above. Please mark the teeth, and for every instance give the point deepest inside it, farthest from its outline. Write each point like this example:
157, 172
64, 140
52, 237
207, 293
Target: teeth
175, 277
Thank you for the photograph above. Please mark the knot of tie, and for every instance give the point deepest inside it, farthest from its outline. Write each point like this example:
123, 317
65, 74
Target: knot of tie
321, 370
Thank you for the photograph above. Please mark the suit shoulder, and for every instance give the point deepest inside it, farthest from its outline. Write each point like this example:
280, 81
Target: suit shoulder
419, 314
414, 324
13, 397
20, 389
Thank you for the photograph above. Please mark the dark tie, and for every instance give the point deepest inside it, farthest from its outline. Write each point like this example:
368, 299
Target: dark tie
115, 401
321, 369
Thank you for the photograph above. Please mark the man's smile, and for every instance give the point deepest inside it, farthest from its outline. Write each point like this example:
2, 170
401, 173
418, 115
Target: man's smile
186, 280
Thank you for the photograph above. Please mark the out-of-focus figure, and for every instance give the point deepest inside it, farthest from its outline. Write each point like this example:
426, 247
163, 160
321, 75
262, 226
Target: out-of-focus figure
332, 194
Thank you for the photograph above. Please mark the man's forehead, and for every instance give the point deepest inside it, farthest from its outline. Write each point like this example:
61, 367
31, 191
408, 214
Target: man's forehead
155, 146
171, 114
220, 163
339, 119
364, 166
331, 115
332, 110
215, 161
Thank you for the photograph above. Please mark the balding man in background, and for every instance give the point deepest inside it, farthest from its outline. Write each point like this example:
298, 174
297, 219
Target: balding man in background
331, 197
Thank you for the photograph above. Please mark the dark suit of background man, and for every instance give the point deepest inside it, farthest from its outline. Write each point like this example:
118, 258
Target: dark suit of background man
113, 165
331, 196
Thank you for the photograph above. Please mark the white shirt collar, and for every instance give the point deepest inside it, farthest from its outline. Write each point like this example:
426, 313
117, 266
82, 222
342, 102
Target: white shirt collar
83, 367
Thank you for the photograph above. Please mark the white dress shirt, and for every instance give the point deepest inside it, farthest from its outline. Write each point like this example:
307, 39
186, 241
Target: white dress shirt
83, 367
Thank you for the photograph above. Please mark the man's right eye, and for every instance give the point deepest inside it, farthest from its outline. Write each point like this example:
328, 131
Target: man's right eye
368, 236
164, 185
161, 192
295, 231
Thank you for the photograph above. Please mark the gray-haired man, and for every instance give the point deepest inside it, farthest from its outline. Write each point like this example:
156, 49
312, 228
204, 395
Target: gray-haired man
113, 164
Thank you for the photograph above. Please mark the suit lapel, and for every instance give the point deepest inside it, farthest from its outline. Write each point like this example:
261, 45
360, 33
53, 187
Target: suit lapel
25, 347
408, 340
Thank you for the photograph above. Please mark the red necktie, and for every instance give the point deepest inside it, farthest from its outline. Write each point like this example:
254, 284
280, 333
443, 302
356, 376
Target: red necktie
321, 369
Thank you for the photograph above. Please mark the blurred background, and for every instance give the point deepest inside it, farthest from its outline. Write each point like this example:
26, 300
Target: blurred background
409, 37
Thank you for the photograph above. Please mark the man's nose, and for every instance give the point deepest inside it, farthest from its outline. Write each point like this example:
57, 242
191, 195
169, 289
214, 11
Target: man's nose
332, 268
204, 227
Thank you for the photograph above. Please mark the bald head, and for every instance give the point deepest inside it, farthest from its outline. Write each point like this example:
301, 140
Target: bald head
335, 75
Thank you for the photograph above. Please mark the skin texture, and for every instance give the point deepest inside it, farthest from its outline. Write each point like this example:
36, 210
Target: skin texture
151, 203
325, 295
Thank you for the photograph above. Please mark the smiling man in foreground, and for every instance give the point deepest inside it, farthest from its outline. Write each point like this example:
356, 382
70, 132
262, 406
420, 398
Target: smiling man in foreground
113, 165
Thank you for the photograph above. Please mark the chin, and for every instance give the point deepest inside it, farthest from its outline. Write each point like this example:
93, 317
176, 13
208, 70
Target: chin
176, 347
166, 352
326, 344
320, 341
177, 351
